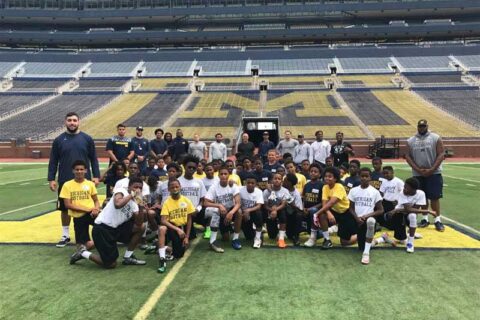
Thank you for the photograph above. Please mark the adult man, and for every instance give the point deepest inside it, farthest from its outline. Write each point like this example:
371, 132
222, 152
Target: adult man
198, 148
302, 151
425, 154
120, 147
320, 149
179, 146
217, 149
265, 146
245, 148
141, 149
68, 147
341, 150
288, 144
158, 146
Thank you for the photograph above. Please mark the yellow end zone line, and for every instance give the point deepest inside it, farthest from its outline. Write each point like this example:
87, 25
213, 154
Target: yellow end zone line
147, 308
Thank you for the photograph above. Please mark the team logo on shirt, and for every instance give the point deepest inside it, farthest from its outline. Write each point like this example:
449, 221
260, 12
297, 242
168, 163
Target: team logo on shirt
85, 188
183, 205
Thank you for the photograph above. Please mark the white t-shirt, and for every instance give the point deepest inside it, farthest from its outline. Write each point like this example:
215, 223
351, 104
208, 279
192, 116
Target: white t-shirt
193, 190
209, 182
391, 189
113, 217
223, 195
123, 183
275, 197
297, 199
250, 200
417, 199
162, 190
364, 199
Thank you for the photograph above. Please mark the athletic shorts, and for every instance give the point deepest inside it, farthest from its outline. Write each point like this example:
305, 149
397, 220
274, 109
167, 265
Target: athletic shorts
178, 250
347, 226
60, 202
432, 186
106, 238
81, 226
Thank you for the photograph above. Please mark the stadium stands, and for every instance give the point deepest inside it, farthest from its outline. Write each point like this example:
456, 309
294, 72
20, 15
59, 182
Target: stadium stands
471, 62
6, 67
365, 65
292, 83
164, 83
223, 68
36, 84
10, 103
51, 70
369, 81
100, 84
226, 84
112, 69
439, 79
168, 68
293, 66
424, 64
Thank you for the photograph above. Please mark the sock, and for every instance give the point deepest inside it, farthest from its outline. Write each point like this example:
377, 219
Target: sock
367, 248
145, 224
313, 234
258, 235
326, 235
425, 217
162, 252
213, 236
380, 240
410, 239
235, 236
281, 235
128, 254
66, 231
438, 219
86, 254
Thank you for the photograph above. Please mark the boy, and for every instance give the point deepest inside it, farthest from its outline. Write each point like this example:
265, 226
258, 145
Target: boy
151, 162
200, 173
80, 198
230, 165
377, 174
222, 203
302, 181
120, 221
272, 164
353, 180
365, 206
176, 220
251, 199
305, 169
294, 208
312, 195
160, 171
208, 181
261, 175
246, 169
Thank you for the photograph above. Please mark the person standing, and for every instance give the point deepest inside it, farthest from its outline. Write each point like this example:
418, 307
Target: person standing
246, 148
179, 146
158, 146
320, 149
70, 146
141, 149
425, 154
198, 148
217, 149
302, 151
288, 144
120, 147
341, 150
265, 146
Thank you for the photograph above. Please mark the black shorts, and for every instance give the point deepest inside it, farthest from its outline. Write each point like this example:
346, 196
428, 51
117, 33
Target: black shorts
432, 186
81, 226
60, 202
347, 226
106, 239
178, 250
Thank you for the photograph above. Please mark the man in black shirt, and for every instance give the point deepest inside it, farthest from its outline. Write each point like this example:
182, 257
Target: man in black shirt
341, 150
141, 148
179, 146
120, 147
245, 148
158, 146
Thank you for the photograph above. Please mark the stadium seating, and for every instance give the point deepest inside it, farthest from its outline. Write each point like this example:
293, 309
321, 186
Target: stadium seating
226, 84
6, 67
292, 83
100, 84
168, 68
223, 68
112, 69
51, 70
293, 66
10, 103
367, 81
365, 65
36, 84
425, 64
164, 83
471, 62
443, 79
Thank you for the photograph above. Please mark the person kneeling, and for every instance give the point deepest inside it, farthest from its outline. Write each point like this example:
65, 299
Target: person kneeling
119, 221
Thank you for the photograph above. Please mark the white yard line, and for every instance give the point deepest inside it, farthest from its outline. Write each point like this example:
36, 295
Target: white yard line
28, 207
446, 175
461, 224
18, 181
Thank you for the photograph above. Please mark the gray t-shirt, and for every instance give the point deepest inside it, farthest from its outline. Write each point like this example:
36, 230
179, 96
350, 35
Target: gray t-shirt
285, 146
197, 149
423, 150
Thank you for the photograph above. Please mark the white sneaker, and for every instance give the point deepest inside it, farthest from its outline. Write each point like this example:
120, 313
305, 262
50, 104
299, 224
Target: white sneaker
333, 229
257, 243
365, 258
310, 243
418, 235
410, 248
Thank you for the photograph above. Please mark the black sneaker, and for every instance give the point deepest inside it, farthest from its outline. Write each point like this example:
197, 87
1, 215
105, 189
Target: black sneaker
327, 244
423, 224
63, 242
133, 261
162, 266
151, 249
77, 256
439, 226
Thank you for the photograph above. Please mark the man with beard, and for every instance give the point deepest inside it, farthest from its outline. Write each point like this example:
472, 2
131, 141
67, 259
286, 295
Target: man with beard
425, 154
70, 146
320, 149
179, 147
341, 150
217, 149
141, 148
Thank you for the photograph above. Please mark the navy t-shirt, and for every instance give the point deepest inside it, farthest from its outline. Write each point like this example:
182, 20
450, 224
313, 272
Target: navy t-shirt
262, 178
141, 146
272, 168
246, 149
158, 146
264, 147
120, 146
312, 193
351, 182
375, 182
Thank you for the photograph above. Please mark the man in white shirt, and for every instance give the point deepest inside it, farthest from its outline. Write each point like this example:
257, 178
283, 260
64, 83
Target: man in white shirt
302, 151
133, 171
252, 200
217, 149
320, 149
198, 148
120, 221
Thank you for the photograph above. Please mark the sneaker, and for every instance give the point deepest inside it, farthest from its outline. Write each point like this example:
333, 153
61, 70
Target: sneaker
365, 258
310, 243
151, 249
236, 244
63, 242
162, 265
387, 240
144, 246
281, 243
207, 233
327, 244
410, 248
257, 243
333, 229
133, 261
418, 235
439, 226
423, 224
77, 256
169, 257
216, 249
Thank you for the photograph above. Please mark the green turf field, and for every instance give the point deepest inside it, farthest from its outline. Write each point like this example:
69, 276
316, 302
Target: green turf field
37, 281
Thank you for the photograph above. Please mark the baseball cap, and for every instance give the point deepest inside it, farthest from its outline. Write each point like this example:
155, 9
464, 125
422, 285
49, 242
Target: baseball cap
300, 135
422, 122
265, 133
140, 128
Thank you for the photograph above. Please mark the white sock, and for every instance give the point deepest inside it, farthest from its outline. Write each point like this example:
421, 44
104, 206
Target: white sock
213, 236
410, 239
438, 219
281, 235
162, 252
235, 236
86, 254
313, 234
326, 235
145, 224
66, 231
258, 235
380, 240
128, 254
367, 248
425, 217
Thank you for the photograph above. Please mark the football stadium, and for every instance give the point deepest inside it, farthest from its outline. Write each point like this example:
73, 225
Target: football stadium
239, 159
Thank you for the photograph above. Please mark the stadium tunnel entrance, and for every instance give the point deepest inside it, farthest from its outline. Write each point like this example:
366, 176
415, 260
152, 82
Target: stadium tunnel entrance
256, 126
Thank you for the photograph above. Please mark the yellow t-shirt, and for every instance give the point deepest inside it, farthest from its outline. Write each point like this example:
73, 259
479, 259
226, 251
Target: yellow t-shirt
302, 181
338, 191
177, 211
80, 194
199, 176
235, 178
